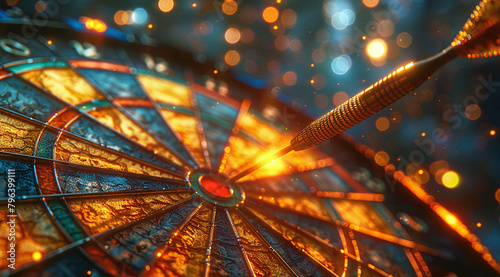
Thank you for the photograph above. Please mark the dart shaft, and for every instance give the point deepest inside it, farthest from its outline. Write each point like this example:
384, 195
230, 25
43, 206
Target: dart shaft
371, 100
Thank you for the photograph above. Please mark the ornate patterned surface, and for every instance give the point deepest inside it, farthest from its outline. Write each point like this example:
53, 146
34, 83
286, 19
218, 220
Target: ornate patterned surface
101, 151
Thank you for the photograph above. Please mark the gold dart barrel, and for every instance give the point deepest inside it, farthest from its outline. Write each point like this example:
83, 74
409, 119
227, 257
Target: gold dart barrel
480, 37
371, 100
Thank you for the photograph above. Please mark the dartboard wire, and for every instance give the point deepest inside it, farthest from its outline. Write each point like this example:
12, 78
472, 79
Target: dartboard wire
440, 211
240, 118
199, 120
156, 106
306, 233
398, 229
421, 262
52, 217
80, 227
82, 242
326, 162
302, 253
63, 196
124, 111
61, 56
405, 243
159, 253
130, 225
344, 249
66, 126
93, 169
210, 242
274, 252
359, 229
356, 251
342, 173
56, 223
413, 262
240, 246
53, 164
351, 196
88, 142
97, 122
349, 243
354, 184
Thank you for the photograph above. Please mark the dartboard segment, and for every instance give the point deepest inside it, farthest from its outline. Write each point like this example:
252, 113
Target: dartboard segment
122, 152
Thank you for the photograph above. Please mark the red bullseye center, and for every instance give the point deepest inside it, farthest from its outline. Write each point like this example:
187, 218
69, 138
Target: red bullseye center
216, 187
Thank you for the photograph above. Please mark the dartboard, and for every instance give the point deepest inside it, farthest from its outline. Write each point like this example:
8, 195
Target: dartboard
114, 157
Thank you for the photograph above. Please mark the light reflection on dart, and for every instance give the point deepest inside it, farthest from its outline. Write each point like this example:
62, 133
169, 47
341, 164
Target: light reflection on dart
480, 37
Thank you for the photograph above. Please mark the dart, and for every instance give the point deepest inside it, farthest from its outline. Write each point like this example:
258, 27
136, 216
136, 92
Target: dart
136, 140
479, 38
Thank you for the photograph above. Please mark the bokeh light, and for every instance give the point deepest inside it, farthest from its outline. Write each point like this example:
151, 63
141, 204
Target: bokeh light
318, 55
270, 14
288, 18
376, 48
339, 98
382, 158
121, 17
229, 7
248, 15
321, 100
341, 65
206, 27
166, 5
281, 43
395, 117
382, 123
473, 112
370, 3
295, 45
232, 57
247, 36
289, 78
385, 28
340, 20
451, 219
40, 6
318, 81
36, 256
232, 35
140, 16
404, 40
94, 24
450, 179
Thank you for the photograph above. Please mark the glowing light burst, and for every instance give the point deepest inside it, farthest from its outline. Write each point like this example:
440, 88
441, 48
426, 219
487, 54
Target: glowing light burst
377, 48
450, 179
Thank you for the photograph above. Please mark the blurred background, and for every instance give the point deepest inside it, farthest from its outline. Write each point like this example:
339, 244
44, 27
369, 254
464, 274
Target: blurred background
314, 55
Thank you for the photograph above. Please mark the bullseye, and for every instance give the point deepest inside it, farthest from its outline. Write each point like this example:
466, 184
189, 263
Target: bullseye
215, 187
